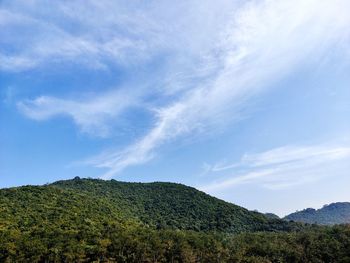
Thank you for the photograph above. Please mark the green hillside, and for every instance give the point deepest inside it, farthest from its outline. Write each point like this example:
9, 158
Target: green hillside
78, 203
173, 206
38, 207
335, 213
85, 220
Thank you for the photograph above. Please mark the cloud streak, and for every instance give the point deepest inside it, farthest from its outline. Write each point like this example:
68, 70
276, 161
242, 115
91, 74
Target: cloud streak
230, 60
45, 36
282, 167
91, 114
104, 35
259, 45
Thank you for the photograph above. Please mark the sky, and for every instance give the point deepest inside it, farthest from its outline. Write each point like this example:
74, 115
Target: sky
248, 101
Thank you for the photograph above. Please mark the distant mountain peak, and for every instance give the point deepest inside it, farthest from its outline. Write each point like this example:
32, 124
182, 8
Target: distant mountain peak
329, 214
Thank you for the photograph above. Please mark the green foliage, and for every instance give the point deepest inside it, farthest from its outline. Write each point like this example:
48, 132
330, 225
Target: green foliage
135, 243
335, 213
174, 206
271, 216
85, 220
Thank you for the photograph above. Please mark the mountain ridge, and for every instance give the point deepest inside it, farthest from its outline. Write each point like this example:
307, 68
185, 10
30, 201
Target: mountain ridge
330, 214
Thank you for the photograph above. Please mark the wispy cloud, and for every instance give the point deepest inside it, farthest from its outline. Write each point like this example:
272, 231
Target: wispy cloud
106, 34
101, 35
261, 43
282, 167
92, 113
231, 51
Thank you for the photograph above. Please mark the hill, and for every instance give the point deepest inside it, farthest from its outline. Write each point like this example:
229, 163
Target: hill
85, 220
81, 202
172, 206
335, 213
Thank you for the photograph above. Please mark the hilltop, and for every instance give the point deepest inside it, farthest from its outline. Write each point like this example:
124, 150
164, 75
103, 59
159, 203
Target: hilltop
172, 206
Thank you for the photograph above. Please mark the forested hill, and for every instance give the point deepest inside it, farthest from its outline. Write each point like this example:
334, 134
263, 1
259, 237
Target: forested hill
335, 213
172, 206
85, 220
156, 205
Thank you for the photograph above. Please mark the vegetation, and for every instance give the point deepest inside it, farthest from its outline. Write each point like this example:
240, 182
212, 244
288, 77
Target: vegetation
335, 213
271, 216
174, 206
85, 220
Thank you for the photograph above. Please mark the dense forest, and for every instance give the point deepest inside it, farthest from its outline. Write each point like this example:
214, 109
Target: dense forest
173, 206
85, 220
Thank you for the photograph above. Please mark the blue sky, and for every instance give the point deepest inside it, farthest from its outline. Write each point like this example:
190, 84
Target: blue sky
248, 101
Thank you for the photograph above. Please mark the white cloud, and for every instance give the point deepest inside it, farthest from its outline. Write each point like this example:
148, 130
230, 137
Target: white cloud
294, 154
15, 63
220, 55
102, 36
105, 34
91, 114
282, 167
263, 41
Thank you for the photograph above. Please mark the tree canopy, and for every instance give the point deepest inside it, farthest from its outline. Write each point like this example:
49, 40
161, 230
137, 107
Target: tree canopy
85, 220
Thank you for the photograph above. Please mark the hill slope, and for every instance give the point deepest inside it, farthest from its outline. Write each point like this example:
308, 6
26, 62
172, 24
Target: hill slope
175, 206
28, 207
84, 220
80, 202
335, 213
